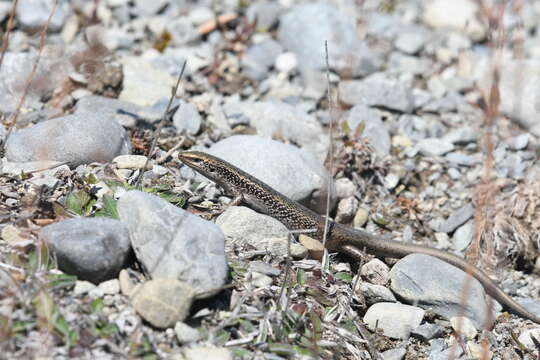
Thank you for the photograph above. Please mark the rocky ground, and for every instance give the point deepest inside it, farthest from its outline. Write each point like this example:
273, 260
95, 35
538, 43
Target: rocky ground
429, 135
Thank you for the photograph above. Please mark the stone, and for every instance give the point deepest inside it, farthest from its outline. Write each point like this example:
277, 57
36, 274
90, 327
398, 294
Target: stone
205, 353
130, 161
76, 139
306, 39
460, 15
265, 13
185, 333
344, 188
293, 172
396, 320
360, 218
376, 272
124, 112
187, 118
374, 293
144, 84
464, 326
244, 226
457, 218
526, 336
174, 244
374, 129
394, 354
110, 287
93, 249
32, 15
428, 331
163, 302
411, 40
434, 147
463, 236
346, 210
83, 287
275, 119
379, 91
259, 57
436, 285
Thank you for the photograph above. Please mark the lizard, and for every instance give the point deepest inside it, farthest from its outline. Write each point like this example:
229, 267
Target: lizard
339, 238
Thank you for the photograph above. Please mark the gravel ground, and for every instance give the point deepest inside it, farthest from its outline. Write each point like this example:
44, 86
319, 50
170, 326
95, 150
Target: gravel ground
415, 120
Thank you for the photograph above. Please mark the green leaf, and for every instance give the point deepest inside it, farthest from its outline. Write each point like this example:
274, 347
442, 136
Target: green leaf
345, 129
301, 277
92, 179
62, 328
45, 308
109, 208
281, 349
344, 276
97, 305
79, 202
61, 280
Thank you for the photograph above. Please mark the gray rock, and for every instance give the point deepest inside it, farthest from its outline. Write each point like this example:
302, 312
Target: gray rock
110, 287
460, 15
185, 333
519, 142
148, 8
93, 249
462, 135
143, 83
182, 30
530, 304
14, 76
242, 225
126, 113
76, 139
458, 217
519, 87
32, 15
463, 236
5, 9
203, 353
346, 210
463, 159
304, 28
396, 320
375, 130
163, 302
440, 351
375, 271
187, 118
394, 354
436, 285
172, 243
131, 161
399, 63
344, 188
259, 58
464, 327
288, 169
265, 13
434, 147
379, 91
526, 336
411, 40
274, 119
374, 293
428, 331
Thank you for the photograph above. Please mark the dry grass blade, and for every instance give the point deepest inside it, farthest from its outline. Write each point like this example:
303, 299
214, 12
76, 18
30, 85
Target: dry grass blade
9, 28
169, 112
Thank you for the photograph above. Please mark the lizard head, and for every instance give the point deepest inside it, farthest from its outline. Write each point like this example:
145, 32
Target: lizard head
206, 164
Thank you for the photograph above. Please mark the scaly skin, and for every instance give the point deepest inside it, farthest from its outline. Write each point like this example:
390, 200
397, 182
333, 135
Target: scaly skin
263, 198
